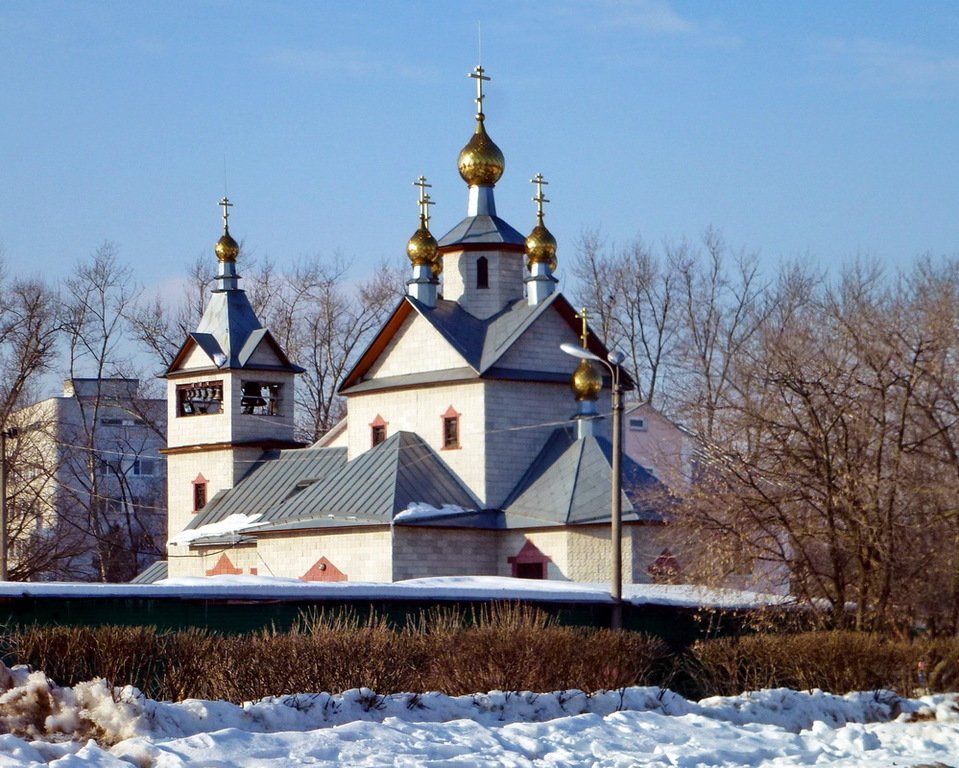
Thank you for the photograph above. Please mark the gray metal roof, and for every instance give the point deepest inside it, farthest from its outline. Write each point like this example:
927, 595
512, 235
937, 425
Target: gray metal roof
230, 332
152, 573
482, 229
381, 482
277, 477
570, 482
317, 487
483, 342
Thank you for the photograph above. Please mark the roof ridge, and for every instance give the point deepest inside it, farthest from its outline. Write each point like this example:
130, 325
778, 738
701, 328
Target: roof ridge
516, 333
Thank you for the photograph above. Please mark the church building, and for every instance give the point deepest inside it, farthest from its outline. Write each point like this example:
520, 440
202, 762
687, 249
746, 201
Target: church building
472, 445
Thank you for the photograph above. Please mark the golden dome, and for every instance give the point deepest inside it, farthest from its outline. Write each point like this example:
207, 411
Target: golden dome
541, 247
586, 382
481, 162
437, 265
227, 248
422, 247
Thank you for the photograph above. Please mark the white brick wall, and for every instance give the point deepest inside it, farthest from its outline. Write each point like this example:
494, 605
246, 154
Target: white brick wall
421, 552
421, 411
506, 273
416, 347
363, 555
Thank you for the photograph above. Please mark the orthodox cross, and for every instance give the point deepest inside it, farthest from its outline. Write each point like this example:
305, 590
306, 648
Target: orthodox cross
584, 316
479, 77
540, 198
226, 205
424, 201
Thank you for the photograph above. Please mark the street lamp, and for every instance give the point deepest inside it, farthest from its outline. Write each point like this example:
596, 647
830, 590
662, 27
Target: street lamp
616, 504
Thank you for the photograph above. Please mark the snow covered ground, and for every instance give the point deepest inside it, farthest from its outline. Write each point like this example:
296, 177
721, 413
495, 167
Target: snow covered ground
45, 725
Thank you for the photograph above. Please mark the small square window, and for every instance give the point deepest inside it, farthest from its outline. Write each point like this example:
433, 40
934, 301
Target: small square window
637, 425
377, 434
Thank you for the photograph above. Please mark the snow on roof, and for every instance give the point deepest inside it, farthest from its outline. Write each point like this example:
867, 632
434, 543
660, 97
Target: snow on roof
233, 524
422, 511
443, 588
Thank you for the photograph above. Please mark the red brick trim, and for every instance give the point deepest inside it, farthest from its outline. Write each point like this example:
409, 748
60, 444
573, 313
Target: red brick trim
324, 570
224, 567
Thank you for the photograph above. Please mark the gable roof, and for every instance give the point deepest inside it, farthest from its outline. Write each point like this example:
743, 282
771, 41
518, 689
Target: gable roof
229, 333
570, 482
482, 343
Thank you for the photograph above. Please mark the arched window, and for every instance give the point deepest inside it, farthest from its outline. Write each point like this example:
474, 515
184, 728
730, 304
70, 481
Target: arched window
482, 272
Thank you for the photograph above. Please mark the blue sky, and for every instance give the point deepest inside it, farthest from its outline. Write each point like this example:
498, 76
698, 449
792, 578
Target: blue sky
814, 130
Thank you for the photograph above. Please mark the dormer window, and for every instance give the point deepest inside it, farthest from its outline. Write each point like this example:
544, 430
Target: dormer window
261, 398
482, 272
200, 398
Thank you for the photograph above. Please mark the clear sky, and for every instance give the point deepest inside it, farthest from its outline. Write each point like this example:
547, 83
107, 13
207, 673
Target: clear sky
814, 130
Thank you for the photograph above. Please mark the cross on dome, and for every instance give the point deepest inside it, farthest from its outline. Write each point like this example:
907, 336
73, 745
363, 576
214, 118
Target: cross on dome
584, 316
424, 201
479, 77
540, 198
226, 205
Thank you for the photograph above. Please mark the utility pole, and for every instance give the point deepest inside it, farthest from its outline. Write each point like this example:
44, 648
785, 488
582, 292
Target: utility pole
4, 555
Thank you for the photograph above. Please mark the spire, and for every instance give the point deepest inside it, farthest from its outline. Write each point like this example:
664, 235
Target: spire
586, 384
227, 251
422, 252
481, 162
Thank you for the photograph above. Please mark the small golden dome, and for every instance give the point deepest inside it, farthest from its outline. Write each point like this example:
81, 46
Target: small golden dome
227, 248
586, 381
437, 265
481, 162
541, 247
422, 247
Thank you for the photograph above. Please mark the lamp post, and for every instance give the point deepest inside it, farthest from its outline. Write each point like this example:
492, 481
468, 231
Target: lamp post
4, 434
616, 503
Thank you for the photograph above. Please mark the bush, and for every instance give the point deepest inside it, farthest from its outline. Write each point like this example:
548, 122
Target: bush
502, 647
834, 661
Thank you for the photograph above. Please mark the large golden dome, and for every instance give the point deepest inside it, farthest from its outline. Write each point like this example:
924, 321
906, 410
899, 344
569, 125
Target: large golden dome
227, 248
421, 248
541, 247
586, 382
481, 162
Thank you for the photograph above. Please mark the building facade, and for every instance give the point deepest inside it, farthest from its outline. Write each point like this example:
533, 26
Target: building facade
473, 445
86, 483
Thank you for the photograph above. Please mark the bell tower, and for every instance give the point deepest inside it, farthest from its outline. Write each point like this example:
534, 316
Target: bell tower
229, 396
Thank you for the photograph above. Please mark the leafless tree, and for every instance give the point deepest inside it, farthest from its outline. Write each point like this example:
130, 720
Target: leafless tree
103, 443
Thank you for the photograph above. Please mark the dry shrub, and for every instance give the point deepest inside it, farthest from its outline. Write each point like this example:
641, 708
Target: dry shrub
499, 647
834, 661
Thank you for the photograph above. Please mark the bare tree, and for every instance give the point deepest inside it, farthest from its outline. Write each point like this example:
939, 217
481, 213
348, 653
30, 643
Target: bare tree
633, 298
103, 441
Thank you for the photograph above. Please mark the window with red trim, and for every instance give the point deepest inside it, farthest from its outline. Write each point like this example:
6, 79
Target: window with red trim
199, 493
451, 429
377, 431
